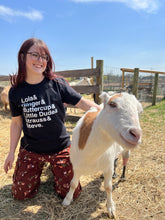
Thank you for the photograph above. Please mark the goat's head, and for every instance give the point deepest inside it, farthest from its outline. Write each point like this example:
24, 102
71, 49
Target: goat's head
121, 118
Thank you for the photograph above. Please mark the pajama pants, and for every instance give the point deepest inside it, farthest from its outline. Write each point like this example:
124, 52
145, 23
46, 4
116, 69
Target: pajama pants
29, 166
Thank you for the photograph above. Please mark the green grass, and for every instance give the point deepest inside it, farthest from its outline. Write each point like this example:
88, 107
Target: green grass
155, 114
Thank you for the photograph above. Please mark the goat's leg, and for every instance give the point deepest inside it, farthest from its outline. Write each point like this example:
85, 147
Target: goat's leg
125, 156
73, 185
108, 189
5, 106
115, 165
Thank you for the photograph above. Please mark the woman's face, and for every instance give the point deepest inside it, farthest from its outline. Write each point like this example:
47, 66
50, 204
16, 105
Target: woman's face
36, 61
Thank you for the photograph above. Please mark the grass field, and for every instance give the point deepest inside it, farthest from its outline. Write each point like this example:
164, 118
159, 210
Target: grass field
141, 196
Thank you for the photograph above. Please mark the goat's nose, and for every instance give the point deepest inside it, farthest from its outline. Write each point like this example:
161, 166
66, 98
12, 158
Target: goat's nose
135, 133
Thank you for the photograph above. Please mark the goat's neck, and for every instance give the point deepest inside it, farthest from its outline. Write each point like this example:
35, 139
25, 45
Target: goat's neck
99, 141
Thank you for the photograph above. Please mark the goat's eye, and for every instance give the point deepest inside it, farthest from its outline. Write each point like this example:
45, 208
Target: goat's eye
113, 104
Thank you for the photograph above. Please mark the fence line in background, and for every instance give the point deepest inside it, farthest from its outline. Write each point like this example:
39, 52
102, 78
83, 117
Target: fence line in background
111, 83
136, 80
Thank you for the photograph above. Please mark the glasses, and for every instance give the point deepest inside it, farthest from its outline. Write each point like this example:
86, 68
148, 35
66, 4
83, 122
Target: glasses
36, 56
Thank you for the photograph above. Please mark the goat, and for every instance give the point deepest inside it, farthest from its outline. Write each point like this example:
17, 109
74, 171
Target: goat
85, 81
96, 139
4, 96
82, 82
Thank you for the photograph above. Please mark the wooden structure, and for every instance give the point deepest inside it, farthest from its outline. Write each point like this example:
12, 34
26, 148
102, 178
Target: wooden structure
136, 80
97, 73
95, 89
4, 78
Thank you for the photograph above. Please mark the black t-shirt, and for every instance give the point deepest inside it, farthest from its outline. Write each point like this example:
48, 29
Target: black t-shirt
43, 113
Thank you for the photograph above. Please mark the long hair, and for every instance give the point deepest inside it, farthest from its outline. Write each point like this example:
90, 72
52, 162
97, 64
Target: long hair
20, 76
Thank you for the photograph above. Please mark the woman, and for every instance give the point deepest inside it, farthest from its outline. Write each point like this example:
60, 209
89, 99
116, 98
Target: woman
37, 98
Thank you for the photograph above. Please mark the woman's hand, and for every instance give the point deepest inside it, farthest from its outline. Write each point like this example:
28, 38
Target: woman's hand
9, 162
86, 104
15, 133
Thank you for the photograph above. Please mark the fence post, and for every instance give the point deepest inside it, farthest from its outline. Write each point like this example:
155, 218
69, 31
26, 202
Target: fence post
122, 80
136, 81
91, 62
99, 80
155, 89
92, 81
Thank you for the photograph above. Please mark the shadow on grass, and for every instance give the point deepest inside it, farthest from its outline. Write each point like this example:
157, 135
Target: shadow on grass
47, 205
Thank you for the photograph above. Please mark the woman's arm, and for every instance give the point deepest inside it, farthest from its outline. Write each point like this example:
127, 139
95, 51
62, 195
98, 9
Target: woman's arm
15, 133
86, 104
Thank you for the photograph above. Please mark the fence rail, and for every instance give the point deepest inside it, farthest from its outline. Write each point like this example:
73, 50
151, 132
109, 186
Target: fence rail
79, 73
4, 78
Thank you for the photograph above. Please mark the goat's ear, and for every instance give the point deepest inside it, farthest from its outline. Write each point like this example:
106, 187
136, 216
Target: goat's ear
105, 97
140, 109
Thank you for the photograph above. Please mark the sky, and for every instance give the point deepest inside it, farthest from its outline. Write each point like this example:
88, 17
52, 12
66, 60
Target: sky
123, 33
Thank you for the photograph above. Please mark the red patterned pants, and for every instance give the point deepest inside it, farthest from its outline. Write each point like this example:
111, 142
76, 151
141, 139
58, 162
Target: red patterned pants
29, 166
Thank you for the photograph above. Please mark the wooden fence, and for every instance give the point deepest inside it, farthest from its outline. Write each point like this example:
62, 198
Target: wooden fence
96, 89
136, 80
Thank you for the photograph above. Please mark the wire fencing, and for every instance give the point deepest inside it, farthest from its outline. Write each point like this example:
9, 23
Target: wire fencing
112, 81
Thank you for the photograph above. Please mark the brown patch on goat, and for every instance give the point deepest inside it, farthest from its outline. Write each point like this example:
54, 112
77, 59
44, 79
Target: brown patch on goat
86, 128
114, 97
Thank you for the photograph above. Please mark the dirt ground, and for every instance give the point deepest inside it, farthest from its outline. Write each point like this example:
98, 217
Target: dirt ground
141, 196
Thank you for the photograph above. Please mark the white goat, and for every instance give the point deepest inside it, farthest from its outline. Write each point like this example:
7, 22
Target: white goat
85, 81
82, 82
96, 139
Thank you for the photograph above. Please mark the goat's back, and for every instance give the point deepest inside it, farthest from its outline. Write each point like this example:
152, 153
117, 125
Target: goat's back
4, 95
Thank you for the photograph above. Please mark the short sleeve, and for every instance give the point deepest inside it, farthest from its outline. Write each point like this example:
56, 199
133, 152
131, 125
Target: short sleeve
68, 94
